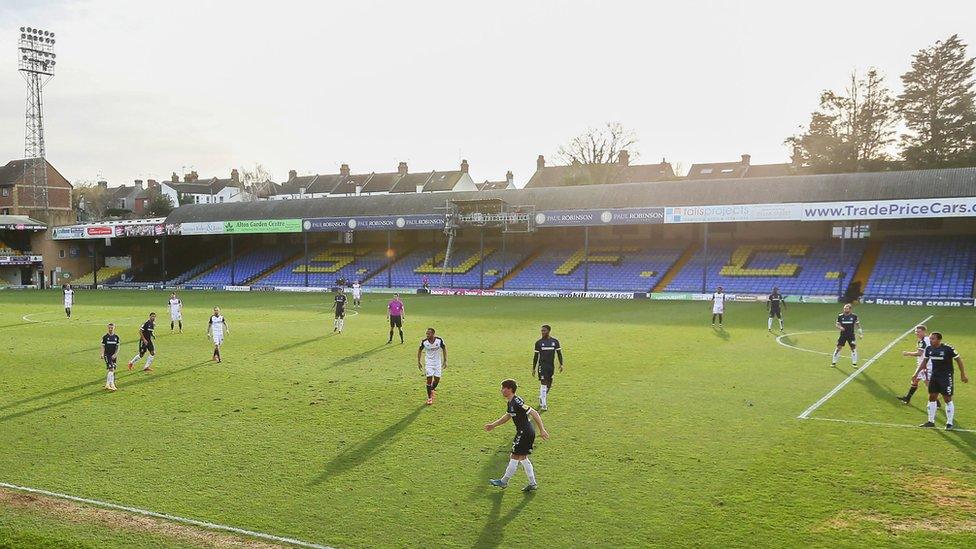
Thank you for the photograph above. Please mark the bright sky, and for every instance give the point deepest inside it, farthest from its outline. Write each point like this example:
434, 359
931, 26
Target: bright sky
147, 88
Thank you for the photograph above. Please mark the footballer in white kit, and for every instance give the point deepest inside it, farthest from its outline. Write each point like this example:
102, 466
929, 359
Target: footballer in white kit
357, 293
175, 312
69, 299
718, 306
216, 329
435, 353
922, 342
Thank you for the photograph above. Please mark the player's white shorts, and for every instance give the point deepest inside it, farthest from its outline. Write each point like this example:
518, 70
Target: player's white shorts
925, 375
357, 295
175, 315
718, 309
67, 303
434, 370
218, 339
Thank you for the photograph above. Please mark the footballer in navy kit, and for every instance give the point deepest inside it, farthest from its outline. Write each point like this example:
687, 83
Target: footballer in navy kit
547, 350
340, 310
941, 357
110, 354
146, 345
776, 304
520, 414
846, 322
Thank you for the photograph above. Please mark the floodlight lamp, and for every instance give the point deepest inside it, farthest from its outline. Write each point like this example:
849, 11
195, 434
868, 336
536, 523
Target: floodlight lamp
21, 29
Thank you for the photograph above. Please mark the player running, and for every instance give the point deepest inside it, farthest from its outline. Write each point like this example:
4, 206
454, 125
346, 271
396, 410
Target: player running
110, 354
394, 311
546, 351
718, 306
216, 329
435, 361
940, 357
357, 294
846, 322
146, 336
175, 311
69, 298
340, 310
519, 412
776, 304
922, 343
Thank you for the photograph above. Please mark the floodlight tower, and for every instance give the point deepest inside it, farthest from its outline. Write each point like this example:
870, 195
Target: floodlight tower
36, 60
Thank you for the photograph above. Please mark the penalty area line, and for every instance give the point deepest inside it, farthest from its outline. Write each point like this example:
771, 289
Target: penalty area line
813, 407
881, 424
164, 516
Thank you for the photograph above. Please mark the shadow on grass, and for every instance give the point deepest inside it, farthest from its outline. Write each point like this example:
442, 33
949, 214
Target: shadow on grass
720, 332
362, 355
965, 442
493, 467
100, 391
359, 453
494, 528
295, 344
15, 325
49, 394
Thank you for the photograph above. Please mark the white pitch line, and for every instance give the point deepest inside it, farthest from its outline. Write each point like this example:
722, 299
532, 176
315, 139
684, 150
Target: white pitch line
172, 518
806, 413
780, 338
880, 424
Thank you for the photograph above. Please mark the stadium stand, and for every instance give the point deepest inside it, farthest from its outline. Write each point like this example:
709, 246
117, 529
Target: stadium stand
328, 265
245, 266
464, 269
611, 268
196, 270
796, 268
942, 268
105, 276
6, 249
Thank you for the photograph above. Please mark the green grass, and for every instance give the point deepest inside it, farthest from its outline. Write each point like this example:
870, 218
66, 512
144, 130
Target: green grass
664, 431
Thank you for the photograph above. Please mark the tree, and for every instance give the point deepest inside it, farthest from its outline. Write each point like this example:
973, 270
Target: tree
598, 145
255, 182
851, 131
90, 200
158, 205
938, 106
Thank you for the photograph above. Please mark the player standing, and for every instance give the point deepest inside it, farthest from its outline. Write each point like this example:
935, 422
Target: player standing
922, 343
175, 311
718, 306
340, 310
146, 336
216, 329
941, 357
519, 412
357, 294
546, 351
394, 311
776, 305
110, 353
846, 321
69, 298
435, 361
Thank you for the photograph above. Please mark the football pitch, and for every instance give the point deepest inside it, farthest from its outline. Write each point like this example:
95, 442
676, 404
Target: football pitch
664, 431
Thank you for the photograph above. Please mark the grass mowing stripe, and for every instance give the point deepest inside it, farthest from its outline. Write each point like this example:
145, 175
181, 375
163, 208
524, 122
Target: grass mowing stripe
881, 424
172, 518
813, 407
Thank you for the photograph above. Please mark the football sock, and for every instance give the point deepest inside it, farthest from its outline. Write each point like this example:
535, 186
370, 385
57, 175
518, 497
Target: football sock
181, 325
401, 336
931, 409
836, 355
529, 470
854, 356
781, 324
950, 412
149, 361
713, 319
135, 359
510, 470
110, 378
720, 318
171, 325
391, 335
217, 352
429, 389
436, 381
769, 324
911, 391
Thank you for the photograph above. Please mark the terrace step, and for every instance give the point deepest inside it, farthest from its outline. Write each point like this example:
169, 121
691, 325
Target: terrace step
529, 259
256, 278
864, 269
686, 256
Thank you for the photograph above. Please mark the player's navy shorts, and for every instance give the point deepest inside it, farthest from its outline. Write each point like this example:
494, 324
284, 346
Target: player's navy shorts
522, 443
547, 372
110, 363
340, 313
941, 384
846, 339
396, 321
146, 346
775, 313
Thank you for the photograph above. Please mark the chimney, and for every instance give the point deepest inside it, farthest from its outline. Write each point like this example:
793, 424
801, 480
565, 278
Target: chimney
174, 178
103, 184
623, 158
292, 174
510, 178
191, 177
235, 176
402, 168
153, 184
464, 166
745, 159
344, 170
139, 184
540, 162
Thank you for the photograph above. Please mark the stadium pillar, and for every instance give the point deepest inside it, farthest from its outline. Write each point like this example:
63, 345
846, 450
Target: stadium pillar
586, 258
95, 264
503, 270
232, 264
305, 242
705, 263
840, 278
389, 259
482, 259
162, 254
